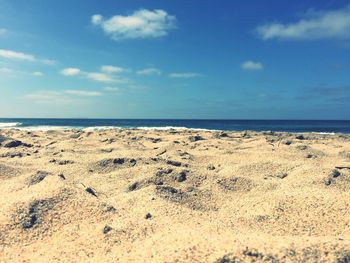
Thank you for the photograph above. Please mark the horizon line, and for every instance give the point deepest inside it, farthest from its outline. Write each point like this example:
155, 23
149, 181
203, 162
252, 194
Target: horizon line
165, 119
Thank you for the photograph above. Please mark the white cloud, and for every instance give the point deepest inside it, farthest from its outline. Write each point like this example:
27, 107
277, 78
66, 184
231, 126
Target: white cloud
3, 31
9, 54
49, 97
141, 24
96, 76
313, 25
113, 69
5, 70
37, 74
251, 65
100, 77
111, 89
14, 55
84, 93
185, 75
149, 71
43, 95
96, 19
49, 62
15, 73
70, 71
60, 97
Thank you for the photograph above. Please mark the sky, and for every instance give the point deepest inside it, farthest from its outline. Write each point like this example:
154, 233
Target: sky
183, 59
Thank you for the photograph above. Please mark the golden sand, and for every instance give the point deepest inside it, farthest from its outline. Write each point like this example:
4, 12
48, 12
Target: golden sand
173, 196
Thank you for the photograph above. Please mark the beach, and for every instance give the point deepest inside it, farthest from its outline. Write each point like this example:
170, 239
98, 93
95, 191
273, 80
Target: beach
173, 195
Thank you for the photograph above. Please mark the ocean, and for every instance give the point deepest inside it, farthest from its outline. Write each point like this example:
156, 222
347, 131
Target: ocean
321, 126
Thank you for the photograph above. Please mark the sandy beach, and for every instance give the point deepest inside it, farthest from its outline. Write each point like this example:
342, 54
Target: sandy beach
173, 196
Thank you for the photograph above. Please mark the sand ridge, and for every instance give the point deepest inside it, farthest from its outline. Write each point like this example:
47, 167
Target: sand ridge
134, 195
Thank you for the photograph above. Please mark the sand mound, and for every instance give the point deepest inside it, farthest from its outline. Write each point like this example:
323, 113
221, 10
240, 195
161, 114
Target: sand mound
236, 184
7, 171
109, 165
191, 197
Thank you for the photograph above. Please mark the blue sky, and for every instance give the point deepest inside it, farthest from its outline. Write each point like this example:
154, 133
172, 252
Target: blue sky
175, 59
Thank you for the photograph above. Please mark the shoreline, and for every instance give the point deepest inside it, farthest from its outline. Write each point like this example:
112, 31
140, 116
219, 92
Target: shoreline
102, 128
295, 126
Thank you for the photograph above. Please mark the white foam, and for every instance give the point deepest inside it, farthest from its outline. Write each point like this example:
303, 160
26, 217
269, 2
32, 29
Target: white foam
326, 133
162, 128
52, 128
93, 128
165, 128
47, 128
9, 124
98, 128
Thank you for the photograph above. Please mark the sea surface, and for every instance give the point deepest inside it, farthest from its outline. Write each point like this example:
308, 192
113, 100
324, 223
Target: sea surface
320, 126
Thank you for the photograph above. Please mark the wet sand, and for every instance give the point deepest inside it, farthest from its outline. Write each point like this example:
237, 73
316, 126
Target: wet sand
173, 196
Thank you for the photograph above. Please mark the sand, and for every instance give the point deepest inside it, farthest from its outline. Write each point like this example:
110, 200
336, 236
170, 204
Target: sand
173, 196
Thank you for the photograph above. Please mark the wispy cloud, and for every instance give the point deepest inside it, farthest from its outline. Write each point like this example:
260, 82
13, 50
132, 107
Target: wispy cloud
49, 62
5, 70
84, 93
252, 65
113, 69
111, 89
38, 74
3, 31
101, 77
15, 73
313, 25
49, 97
60, 97
15, 55
185, 75
326, 92
96, 76
140, 24
149, 71
70, 71
9, 54
340, 66
96, 19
